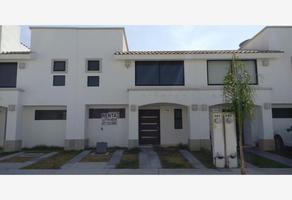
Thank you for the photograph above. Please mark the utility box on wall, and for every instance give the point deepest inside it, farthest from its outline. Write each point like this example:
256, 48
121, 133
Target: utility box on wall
230, 140
218, 146
224, 142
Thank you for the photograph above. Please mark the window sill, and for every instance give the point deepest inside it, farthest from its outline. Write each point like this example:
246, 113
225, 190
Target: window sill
209, 87
11, 89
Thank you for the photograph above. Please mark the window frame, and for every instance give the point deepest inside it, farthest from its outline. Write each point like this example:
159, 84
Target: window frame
282, 115
93, 85
64, 117
93, 59
183, 66
175, 117
16, 73
59, 76
59, 60
256, 70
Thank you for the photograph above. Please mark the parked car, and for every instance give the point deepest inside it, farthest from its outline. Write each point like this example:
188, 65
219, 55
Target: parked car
283, 139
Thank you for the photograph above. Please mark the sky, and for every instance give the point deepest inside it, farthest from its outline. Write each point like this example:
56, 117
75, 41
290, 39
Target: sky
149, 38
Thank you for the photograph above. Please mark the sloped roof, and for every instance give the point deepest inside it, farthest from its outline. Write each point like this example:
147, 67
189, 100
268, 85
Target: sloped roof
245, 42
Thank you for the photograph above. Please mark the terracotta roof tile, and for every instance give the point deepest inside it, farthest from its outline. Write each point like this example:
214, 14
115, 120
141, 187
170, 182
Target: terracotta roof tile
194, 52
15, 52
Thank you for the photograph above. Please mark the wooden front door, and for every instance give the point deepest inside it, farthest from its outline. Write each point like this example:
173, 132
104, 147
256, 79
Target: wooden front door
149, 127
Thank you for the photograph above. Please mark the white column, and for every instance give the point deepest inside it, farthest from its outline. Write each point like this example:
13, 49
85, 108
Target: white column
199, 128
133, 138
266, 137
75, 127
13, 138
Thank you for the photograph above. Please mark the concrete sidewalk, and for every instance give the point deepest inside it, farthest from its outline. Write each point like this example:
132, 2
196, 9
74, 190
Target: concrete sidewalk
148, 159
258, 171
17, 165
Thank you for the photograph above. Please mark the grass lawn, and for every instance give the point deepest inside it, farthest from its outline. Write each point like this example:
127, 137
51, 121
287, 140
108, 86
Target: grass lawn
287, 152
17, 159
130, 159
54, 162
42, 149
6, 153
205, 157
92, 157
170, 157
263, 162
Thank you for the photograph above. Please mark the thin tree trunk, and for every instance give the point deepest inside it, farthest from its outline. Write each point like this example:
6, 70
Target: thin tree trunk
241, 153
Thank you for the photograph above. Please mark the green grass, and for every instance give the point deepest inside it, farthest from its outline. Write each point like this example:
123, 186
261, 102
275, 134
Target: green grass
205, 157
130, 159
16, 159
54, 162
287, 152
7, 153
92, 157
262, 162
171, 158
42, 148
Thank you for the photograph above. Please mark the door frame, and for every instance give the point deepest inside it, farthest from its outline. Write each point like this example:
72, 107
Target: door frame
5, 125
139, 114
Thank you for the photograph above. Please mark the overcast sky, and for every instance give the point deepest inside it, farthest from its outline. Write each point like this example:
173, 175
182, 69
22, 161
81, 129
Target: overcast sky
180, 37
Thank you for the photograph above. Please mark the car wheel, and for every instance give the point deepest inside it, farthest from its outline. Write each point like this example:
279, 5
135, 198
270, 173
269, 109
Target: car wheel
279, 144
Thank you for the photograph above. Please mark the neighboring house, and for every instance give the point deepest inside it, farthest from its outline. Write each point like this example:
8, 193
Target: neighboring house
57, 92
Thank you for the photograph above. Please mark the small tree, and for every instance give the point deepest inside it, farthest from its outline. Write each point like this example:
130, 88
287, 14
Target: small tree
239, 98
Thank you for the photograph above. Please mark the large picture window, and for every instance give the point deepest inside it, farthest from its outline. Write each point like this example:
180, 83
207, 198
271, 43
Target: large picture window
217, 69
156, 73
8, 74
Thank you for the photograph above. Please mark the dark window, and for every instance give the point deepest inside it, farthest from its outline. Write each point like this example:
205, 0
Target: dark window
282, 112
155, 73
95, 113
93, 81
50, 115
59, 80
59, 66
217, 70
93, 65
171, 73
8, 74
178, 119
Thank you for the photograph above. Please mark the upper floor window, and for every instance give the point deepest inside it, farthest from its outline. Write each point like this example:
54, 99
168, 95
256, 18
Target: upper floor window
59, 66
8, 74
217, 69
156, 73
93, 65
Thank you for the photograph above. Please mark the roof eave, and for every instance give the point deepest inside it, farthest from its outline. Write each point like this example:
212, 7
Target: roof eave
198, 56
16, 56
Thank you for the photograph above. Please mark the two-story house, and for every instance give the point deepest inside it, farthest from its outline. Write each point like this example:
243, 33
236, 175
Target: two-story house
78, 86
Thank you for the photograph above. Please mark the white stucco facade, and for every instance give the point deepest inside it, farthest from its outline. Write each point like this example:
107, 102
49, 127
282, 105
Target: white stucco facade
117, 90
